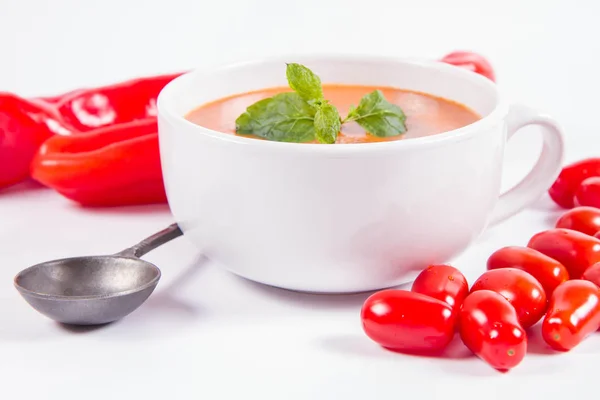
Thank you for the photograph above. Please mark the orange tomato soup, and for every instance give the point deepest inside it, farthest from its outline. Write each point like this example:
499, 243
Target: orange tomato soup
425, 114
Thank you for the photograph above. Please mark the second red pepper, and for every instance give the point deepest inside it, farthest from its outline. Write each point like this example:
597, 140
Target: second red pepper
110, 166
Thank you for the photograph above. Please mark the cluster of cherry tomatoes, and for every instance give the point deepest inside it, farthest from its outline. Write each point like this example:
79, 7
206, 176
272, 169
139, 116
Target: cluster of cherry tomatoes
555, 279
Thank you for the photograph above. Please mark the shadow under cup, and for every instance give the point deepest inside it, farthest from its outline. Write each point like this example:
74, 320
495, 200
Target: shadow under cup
341, 218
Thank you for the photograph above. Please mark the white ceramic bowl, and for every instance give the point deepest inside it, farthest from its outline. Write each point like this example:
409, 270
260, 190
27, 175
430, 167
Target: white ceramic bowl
343, 218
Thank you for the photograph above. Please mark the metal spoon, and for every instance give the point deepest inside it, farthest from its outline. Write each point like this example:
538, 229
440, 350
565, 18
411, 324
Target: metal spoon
94, 290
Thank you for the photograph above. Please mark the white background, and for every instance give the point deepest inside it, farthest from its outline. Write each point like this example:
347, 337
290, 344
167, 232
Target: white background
205, 333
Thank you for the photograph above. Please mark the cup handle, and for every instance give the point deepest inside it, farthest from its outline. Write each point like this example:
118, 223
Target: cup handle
544, 172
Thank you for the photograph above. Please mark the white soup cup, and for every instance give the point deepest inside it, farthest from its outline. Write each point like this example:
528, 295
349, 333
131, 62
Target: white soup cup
350, 217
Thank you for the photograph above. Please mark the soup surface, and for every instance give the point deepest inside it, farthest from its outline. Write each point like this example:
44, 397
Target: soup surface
425, 114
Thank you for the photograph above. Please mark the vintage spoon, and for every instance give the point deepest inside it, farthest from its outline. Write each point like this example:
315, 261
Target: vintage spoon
94, 290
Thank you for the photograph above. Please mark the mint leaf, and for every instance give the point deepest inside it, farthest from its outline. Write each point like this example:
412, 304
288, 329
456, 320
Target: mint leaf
285, 117
378, 116
304, 82
327, 123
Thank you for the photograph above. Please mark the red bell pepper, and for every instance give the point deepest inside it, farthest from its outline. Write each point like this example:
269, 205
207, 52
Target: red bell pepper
109, 166
109, 105
26, 124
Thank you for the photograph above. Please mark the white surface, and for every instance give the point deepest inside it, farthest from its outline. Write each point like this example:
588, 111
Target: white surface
206, 333
346, 218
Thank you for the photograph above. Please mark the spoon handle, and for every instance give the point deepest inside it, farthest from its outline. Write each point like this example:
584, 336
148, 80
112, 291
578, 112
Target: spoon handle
152, 242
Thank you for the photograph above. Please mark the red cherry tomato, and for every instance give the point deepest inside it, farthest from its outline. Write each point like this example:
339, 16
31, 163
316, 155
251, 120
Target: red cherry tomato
490, 328
592, 274
573, 314
582, 219
588, 193
471, 61
547, 271
575, 250
442, 282
408, 321
521, 290
564, 188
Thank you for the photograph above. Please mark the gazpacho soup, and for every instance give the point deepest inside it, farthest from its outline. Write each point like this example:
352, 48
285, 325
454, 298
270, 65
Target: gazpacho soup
309, 112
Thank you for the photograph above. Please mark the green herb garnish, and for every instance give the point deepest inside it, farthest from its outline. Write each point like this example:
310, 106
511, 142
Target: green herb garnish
285, 117
304, 82
305, 115
327, 123
378, 116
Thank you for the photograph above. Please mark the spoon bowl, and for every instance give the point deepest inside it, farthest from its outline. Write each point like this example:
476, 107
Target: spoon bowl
93, 290
88, 290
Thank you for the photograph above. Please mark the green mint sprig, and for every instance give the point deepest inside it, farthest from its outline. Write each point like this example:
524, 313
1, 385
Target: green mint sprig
304, 82
285, 117
378, 116
327, 123
305, 115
